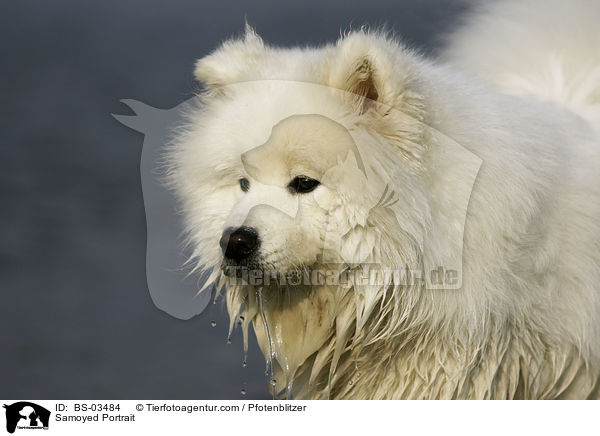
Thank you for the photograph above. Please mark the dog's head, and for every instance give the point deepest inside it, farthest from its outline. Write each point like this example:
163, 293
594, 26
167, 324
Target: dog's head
291, 150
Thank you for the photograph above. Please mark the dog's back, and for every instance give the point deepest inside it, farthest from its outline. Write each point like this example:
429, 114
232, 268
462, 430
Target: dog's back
548, 48
551, 50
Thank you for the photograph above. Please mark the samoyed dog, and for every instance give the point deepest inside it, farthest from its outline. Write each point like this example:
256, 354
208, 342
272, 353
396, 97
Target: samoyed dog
470, 185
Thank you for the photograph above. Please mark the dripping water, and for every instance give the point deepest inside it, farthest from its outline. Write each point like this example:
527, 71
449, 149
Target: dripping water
269, 368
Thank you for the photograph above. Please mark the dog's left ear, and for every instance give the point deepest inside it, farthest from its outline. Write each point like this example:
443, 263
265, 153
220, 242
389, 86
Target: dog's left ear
370, 68
231, 61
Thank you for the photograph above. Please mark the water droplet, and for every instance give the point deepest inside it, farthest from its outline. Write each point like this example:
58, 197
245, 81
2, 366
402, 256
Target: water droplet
243, 392
269, 359
228, 341
350, 383
244, 364
213, 323
242, 318
273, 382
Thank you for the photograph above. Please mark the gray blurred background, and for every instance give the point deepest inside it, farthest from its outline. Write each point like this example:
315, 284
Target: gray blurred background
76, 319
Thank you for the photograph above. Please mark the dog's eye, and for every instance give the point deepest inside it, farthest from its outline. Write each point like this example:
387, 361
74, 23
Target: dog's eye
303, 185
244, 184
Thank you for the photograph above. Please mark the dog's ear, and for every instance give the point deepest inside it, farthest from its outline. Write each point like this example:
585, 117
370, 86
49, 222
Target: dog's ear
362, 81
378, 77
227, 63
369, 67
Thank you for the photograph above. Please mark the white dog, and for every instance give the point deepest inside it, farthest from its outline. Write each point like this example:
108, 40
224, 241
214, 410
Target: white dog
364, 156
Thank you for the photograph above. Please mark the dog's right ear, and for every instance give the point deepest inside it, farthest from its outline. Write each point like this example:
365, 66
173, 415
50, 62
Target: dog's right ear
378, 77
373, 69
227, 63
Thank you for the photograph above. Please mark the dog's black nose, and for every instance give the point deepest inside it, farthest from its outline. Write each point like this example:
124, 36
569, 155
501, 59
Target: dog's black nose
239, 244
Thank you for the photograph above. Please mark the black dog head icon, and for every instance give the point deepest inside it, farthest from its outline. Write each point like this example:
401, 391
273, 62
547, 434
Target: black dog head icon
31, 415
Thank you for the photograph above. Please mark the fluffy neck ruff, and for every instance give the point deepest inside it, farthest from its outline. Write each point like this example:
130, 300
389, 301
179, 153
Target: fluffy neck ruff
320, 346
